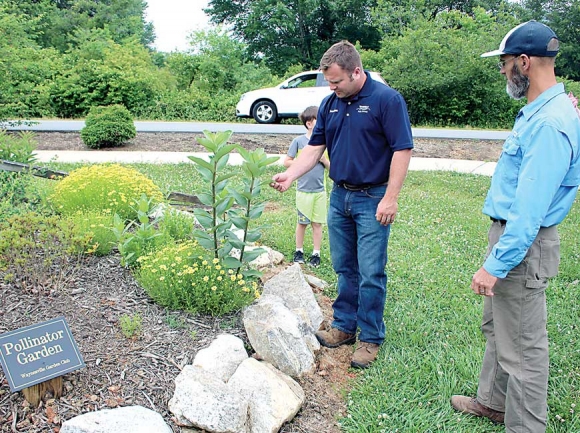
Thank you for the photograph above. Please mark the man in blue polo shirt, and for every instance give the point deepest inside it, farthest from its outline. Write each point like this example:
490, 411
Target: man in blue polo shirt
531, 192
364, 126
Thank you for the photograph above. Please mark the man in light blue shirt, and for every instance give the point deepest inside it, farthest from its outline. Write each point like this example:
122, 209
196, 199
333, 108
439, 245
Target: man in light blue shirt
532, 190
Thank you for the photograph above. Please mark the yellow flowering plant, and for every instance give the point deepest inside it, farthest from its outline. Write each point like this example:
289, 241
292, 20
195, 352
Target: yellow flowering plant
179, 277
96, 227
108, 188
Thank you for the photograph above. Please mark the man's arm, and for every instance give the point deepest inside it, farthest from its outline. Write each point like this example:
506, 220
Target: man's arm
387, 208
307, 159
325, 161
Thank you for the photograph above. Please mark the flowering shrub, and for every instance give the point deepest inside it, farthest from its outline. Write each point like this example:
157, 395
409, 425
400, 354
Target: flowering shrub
97, 229
178, 277
109, 189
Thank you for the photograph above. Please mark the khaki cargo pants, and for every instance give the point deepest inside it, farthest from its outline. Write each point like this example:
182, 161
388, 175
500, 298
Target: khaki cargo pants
514, 374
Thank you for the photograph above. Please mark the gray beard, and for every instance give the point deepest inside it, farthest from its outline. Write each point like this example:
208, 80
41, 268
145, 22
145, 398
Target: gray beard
518, 86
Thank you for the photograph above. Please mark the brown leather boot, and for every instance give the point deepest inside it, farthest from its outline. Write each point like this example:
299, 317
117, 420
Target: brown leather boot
471, 406
364, 354
335, 338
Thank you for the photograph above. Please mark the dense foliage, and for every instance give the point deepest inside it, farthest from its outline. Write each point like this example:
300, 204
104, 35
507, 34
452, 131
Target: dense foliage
109, 126
62, 57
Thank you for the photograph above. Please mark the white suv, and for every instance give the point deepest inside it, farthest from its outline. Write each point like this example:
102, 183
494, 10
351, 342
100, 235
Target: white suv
288, 99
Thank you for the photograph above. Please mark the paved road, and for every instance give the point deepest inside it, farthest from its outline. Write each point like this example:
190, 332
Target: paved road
251, 128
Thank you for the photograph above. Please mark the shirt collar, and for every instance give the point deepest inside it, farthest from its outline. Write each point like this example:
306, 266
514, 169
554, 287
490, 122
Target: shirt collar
532, 108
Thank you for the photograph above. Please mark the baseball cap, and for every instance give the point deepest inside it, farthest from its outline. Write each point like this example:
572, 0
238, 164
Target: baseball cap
531, 38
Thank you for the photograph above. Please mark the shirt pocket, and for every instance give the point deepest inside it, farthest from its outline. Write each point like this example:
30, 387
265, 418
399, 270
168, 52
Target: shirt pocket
510, 160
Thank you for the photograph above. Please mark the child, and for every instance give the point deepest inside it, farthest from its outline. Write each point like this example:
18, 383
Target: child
310, 193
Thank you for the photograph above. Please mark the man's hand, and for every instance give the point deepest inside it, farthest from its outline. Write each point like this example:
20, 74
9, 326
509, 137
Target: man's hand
386, 211
281, 182
483, 282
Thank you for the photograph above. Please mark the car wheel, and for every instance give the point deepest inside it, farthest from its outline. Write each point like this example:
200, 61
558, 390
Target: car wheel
265, 112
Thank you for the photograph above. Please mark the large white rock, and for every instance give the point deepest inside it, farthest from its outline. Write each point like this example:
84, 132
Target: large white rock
292, 287
280, 336
267, 259
202, 400
222, 357
274, 397
129, 419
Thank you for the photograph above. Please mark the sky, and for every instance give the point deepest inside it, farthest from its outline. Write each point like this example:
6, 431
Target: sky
174, 20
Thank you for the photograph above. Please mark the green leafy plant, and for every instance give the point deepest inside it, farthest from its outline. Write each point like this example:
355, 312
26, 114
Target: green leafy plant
250, 208
179, 277
108, 126
110, 189
179, 225
216, 235
18, 148
98, 231
19, 193
131, 325
137, 237
39, 252
214, 221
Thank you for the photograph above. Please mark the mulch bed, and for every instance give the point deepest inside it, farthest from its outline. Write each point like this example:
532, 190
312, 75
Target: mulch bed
92, 295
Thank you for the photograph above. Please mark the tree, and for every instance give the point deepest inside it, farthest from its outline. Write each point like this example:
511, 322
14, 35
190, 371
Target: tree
436, 66
102, 72
24, 67
58, 21
394, 16
295, 31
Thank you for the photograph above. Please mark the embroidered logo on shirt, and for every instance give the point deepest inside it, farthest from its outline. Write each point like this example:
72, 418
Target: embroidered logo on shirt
334, 110
363, 109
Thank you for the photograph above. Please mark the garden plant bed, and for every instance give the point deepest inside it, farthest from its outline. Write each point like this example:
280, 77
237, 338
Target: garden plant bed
476, 150
94, 293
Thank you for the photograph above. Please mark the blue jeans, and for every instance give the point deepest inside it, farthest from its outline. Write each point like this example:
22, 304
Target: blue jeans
358, 248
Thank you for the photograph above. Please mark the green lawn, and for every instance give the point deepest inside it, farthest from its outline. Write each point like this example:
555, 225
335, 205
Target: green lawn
433, 346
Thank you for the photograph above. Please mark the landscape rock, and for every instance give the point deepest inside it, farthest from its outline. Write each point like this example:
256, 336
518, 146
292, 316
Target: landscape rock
269, 258
202, 400
274, 397
222, 357
316, 282
292, 287
280, 336
129, 419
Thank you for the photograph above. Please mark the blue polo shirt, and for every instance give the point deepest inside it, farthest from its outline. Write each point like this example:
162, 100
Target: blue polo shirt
361, 133
536, 178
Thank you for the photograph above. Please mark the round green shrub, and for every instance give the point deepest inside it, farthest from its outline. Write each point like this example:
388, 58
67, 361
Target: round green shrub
109, 126
107, 188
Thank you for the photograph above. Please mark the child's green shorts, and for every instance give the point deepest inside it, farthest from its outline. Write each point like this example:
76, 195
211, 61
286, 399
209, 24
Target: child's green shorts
312, 207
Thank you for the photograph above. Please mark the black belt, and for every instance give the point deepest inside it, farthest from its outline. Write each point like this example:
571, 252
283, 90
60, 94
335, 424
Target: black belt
502, 222
364, 187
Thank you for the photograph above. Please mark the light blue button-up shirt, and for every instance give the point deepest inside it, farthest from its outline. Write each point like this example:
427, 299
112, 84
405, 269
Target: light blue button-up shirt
536, 178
